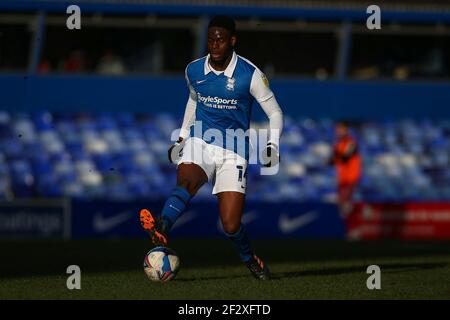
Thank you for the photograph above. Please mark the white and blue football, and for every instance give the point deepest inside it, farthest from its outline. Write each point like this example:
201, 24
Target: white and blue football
161, 264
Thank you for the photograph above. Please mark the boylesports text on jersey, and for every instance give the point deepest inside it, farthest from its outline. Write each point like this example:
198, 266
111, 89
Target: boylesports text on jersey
217, 102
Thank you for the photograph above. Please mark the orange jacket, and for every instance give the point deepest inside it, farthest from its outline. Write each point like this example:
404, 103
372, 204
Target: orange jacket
347, 160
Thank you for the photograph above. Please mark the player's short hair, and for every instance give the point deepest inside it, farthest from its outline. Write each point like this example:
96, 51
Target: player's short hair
223, 22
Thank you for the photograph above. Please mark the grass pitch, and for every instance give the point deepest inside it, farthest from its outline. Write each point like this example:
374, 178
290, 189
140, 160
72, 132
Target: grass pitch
210, 269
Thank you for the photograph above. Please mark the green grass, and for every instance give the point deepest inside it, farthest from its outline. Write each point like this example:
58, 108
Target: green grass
211, 270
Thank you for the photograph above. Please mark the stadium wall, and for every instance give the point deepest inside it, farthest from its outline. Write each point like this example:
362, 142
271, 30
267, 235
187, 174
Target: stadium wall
65, 218
371, 100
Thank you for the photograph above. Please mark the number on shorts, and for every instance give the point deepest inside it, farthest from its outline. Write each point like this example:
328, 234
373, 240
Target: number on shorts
242, 173
240, 168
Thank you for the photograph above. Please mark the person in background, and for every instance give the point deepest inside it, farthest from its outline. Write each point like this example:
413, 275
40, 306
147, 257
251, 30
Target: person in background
44, 67
110, 64
75, 63
347, 160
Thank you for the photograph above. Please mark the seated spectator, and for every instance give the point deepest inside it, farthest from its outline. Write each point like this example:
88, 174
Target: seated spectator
111, 64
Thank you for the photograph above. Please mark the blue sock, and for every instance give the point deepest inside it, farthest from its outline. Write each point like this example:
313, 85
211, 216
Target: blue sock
175, 205
242, 243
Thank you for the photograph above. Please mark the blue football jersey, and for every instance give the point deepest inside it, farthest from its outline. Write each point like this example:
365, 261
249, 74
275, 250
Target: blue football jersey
224, 101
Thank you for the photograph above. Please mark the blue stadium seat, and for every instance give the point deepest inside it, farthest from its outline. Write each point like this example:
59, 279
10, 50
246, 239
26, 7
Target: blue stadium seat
123, 155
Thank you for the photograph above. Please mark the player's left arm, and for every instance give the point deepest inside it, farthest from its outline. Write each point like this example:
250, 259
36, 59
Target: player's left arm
350, 151
260, 90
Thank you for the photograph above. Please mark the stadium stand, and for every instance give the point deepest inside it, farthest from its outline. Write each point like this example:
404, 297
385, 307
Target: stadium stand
124, 156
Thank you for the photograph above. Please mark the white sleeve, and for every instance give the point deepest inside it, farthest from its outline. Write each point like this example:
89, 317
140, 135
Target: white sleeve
260, 90
275, 115
189, 113
259, 86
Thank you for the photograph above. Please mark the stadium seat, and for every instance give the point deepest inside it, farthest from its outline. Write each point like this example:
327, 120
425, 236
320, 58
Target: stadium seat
124, 155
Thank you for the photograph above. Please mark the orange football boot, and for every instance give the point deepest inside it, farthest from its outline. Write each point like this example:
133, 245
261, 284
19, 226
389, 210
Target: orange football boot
150, 225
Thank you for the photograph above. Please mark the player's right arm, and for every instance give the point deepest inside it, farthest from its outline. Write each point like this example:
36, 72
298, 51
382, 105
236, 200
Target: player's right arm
189, 113
188, 120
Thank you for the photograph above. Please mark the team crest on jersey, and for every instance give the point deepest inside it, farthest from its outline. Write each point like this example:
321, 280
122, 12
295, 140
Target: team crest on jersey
230, 84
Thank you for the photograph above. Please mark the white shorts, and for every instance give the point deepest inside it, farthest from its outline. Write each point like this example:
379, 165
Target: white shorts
225, 169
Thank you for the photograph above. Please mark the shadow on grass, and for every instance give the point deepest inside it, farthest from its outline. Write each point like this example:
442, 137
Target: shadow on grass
386, 268
51, 258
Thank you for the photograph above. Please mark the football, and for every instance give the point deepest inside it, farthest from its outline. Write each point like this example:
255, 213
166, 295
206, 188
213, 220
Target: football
161, 264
